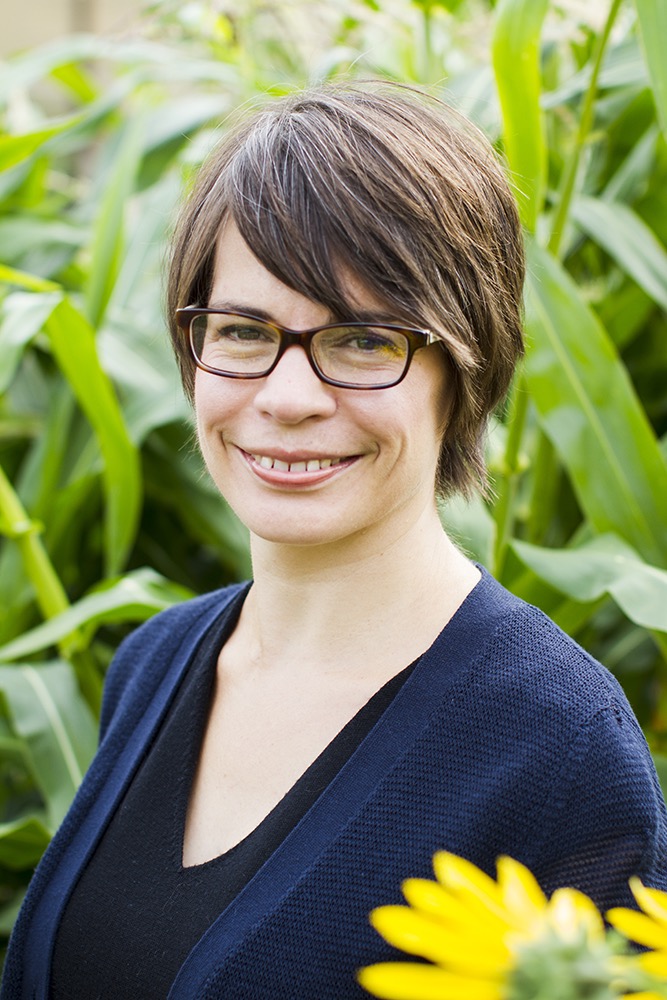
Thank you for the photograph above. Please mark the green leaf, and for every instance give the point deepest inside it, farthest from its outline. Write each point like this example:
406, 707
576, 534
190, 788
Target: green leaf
9, 912
653, 32
633, 173
21, 234
24, 70
107, 243
628, 240
77, 81
605, 565
133, 598
48, 713
14, 149
22, 842
10, 276
516, 64
588, 408
660, 761
623, 68
23, 315
73, 343
471, 525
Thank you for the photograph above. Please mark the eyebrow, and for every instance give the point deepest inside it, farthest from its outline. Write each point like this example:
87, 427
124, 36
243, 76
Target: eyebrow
359, 315
234, 307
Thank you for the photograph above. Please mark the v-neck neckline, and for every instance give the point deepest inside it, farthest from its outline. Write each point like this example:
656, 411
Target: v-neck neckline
306, 787
463, 638
438, 670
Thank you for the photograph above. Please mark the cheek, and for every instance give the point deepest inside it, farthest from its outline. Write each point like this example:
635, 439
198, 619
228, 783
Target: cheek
202, 407
441, 399
215, 400
212, 415
435, 401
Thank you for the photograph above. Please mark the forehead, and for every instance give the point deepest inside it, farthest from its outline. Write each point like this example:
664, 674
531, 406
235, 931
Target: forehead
241, 280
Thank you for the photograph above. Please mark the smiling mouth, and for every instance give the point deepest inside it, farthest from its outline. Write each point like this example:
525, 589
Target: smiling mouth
300, 472
310, 465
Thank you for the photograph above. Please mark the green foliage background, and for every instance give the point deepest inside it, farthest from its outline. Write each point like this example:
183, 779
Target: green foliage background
105, 515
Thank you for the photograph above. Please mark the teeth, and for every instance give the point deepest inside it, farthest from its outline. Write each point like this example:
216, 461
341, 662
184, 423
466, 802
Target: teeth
312, 465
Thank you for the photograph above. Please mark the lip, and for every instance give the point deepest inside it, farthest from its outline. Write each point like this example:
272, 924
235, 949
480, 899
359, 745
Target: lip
280, 477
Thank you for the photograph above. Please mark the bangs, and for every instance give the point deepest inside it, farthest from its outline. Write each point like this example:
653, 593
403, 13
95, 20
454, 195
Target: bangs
313, 216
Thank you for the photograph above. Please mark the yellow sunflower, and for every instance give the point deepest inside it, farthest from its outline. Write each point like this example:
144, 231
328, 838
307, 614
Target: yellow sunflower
490, 940
648, 928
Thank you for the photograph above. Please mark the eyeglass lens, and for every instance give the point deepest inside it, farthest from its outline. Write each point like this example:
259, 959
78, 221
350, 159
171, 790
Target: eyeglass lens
358, 355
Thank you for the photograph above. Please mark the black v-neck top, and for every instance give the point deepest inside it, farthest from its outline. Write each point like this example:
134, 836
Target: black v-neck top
136, 912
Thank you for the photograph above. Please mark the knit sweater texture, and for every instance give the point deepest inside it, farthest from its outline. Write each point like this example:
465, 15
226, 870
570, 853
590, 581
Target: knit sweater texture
507, 738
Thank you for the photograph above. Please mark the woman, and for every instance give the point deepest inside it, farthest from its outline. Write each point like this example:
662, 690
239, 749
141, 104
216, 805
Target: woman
345, 295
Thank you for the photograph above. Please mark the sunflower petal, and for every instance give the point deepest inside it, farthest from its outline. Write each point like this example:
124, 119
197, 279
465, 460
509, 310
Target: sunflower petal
520, 890
638, 927
645, 995
418, 934
426, 895
435, 901
652, 901
654, 962
571, 911
410, 981
463, 877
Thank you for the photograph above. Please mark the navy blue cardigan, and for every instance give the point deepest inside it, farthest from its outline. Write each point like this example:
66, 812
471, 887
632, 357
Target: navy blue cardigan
507, 738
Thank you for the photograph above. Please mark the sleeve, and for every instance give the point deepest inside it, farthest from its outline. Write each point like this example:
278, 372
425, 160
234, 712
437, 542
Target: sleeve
605, 818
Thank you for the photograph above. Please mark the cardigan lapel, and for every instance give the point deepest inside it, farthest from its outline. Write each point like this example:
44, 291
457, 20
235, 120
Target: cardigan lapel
70, 849
438, 670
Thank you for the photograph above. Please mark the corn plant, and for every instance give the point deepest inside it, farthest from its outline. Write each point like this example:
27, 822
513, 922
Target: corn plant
105, 514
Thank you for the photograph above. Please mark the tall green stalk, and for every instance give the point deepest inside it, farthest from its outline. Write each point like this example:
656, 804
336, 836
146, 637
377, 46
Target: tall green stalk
585, 121
547, 466
503, 511
16, 524
49, 591
545, 489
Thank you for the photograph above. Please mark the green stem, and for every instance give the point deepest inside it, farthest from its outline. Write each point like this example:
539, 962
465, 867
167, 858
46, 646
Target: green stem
544, 489
585, 122
660, 640
503, 511
49, 591
16, 524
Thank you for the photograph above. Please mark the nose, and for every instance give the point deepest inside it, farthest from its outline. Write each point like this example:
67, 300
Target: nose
292, 392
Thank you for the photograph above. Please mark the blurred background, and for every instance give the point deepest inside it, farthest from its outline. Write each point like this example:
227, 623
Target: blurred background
43, 20
106, 516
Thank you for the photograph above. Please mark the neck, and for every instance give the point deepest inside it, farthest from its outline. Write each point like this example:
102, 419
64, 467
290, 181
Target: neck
367, 604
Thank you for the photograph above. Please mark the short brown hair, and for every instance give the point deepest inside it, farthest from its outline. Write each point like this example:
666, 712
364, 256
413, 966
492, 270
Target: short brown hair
403, 191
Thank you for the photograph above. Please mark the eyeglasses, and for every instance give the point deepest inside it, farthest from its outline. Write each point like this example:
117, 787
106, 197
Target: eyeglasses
349, 355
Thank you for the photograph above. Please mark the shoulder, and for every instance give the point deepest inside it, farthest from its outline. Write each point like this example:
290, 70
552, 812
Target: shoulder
145, 655
550, 743
528, 664
532, 703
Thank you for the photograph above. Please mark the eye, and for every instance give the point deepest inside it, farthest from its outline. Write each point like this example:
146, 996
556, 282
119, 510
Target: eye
372, 341
242, 331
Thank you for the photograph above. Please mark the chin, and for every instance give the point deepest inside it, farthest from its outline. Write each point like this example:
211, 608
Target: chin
298, 534
296, 528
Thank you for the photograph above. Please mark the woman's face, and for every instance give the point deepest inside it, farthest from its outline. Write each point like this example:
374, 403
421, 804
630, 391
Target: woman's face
302, 462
